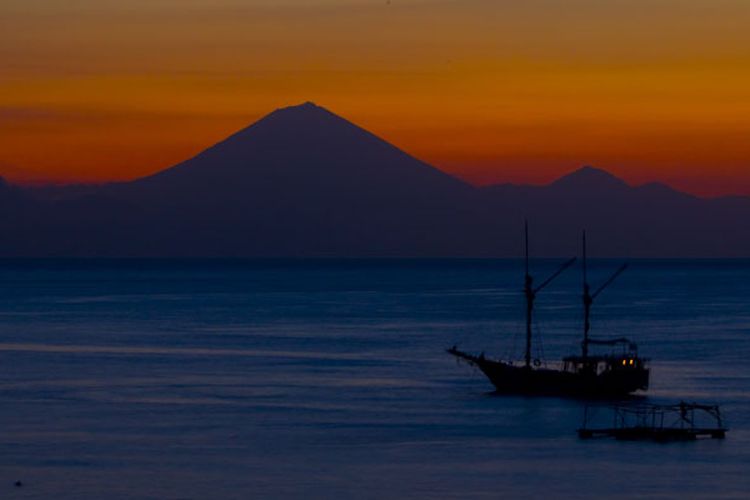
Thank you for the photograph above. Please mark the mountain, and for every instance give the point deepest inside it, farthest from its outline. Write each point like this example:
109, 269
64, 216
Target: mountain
305, 146
305, 182
652, 220
301, 181
589, 180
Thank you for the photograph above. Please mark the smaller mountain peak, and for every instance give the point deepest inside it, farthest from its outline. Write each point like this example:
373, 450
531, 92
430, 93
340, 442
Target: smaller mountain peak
589, 178
589, 171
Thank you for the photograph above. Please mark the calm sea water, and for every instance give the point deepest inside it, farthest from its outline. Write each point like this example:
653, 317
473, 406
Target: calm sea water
328, 379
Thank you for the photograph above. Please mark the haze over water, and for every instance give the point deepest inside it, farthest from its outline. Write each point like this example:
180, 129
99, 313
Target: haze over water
325, 379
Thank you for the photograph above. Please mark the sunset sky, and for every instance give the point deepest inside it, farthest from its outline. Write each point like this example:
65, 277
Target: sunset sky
492, 91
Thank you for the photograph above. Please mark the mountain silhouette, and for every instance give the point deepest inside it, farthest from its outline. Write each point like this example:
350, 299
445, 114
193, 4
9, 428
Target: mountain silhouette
306, 146
652, 220
590, 179
305, 182
302, 181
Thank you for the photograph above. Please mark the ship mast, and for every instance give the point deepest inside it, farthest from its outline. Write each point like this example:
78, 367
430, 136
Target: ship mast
588, 299
530, 296
530, 292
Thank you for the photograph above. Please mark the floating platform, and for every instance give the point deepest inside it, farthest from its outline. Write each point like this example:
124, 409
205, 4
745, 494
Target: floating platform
662, 423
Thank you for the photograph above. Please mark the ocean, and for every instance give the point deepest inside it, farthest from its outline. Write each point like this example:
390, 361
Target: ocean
177, 379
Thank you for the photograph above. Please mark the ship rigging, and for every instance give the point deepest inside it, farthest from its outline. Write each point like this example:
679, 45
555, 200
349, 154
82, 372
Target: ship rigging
584, 375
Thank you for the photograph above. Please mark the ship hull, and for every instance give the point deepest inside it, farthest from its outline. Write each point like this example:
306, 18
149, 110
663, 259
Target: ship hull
510, 379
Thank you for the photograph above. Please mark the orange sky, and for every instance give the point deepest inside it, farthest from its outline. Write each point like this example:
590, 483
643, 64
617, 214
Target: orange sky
490, 90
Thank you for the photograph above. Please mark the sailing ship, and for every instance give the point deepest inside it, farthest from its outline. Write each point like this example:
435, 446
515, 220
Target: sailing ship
612, 375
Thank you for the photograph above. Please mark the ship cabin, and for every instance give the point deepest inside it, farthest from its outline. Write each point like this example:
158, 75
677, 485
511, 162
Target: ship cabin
623, 362
605, 363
